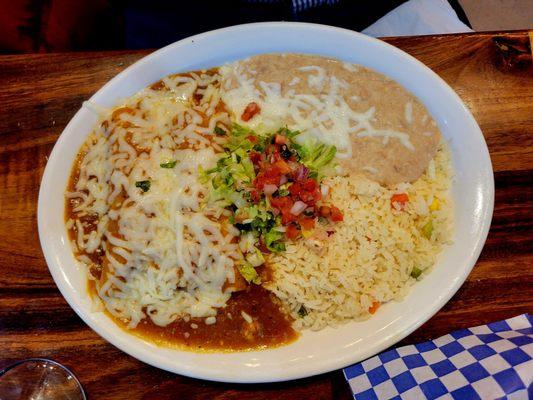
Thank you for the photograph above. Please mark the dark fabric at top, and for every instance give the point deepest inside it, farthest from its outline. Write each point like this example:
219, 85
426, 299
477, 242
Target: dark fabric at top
158, 22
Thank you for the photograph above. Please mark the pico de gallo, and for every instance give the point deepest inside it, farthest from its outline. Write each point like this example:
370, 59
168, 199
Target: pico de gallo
273, 186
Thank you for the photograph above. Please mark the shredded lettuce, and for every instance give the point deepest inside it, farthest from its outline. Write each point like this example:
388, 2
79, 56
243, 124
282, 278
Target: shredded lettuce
226, 196
427, 230
203, 175
315, 155
235, 167
234, 175
256, 219
253, 211
255, 257
272, 241
239, 139
234, 171
249, 273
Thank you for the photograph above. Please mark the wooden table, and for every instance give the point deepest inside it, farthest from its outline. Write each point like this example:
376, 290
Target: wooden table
40, 93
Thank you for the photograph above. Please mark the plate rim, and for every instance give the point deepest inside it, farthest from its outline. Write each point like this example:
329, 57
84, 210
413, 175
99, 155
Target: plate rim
215, 374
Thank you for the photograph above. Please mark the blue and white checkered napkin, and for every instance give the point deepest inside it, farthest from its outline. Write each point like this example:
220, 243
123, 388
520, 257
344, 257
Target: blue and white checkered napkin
493, 361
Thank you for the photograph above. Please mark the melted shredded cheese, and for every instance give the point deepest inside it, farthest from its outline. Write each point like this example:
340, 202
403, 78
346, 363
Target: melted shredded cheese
326, 116
409, 112
164, 256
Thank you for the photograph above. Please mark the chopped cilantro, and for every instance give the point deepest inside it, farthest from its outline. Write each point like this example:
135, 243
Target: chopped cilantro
143, 185
219, 131
169, 164
302, 312
416, 272
272, 241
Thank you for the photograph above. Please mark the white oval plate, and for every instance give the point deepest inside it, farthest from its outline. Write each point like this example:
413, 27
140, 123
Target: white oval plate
314, 352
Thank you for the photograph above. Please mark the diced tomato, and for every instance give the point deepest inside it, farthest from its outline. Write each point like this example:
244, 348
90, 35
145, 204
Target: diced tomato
255, 196
292, 232
311, 193
250, 111
281, 202
282, 167
374, 307
272, 152
310, 185
306, 190
295, 189
401, 199
267, 180
311, 198
336, 214
324, 211
269, 176
287, 217
256, 158
262, 246
284, 205
272, 174
253, 139
303, 185
307, 224
271, 149
280, 139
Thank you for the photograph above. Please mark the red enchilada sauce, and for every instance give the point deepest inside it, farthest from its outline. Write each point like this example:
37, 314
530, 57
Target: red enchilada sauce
269, 327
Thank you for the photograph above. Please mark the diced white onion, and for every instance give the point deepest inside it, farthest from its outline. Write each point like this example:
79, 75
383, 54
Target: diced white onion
255, 258
247, 242
298, 207
246, 317
324, 190
269, 188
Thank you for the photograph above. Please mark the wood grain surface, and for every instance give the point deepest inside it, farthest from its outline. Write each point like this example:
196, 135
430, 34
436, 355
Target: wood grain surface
40, 93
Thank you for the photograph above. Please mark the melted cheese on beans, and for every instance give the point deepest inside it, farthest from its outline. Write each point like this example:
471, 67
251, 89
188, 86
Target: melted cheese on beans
327, 117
